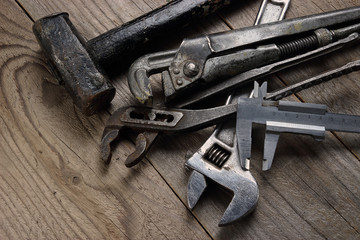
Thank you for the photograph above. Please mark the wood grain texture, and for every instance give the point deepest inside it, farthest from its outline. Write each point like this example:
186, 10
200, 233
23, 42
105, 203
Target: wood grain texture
311, 192
52, 185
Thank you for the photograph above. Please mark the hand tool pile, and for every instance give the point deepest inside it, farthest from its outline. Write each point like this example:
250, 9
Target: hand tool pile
209, 66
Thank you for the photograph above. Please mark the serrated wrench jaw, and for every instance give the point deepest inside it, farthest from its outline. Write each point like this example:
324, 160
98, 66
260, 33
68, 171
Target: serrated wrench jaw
141, 70
143, 143
111, 133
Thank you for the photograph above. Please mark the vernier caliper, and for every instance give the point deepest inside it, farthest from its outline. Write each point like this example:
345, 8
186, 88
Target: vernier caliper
284, 117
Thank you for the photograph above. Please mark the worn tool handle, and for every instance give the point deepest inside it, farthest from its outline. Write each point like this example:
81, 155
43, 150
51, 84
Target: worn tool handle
131, 40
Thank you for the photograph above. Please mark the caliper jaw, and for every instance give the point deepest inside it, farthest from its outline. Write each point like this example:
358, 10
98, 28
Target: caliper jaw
285, 117
250, 111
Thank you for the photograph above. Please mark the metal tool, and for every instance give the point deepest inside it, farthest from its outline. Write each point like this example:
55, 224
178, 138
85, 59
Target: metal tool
149, 121
223, 167
79, 65
272, 11
244, 78
218, 158
283, 116
152, 63
145, 119
149, 64
204, 60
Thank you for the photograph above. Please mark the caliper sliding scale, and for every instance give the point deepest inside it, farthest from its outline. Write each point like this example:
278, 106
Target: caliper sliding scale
284, 117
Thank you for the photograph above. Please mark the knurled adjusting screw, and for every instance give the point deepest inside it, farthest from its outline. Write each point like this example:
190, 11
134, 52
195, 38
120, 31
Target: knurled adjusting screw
191, 69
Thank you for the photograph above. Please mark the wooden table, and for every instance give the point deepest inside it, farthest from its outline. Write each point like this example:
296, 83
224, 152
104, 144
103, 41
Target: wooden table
54, 186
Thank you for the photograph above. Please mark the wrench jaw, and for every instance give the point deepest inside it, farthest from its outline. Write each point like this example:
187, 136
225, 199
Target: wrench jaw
109, 136
229, 175
243, 203
113, 131
196, 187
141, 70
143, 143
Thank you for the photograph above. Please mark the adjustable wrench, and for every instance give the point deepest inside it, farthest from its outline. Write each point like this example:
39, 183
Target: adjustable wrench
218, 158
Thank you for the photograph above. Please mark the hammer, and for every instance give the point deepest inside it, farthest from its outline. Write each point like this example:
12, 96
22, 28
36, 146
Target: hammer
79, 64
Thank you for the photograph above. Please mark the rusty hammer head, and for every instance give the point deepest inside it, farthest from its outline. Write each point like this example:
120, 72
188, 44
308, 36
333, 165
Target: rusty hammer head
72, 64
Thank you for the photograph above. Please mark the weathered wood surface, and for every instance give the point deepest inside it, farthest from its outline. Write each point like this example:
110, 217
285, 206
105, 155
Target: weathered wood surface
52, 184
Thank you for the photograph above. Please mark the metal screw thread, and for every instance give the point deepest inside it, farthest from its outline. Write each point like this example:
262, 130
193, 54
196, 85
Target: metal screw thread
217, 155
298, 46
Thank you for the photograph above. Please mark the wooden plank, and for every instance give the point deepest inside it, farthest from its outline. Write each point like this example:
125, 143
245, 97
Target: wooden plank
52, 185
312, 189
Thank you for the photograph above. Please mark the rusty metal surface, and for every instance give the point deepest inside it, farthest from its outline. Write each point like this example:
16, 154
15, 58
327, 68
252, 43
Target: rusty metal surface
143, 143
202, 62
79, 64
134, 38
67, 56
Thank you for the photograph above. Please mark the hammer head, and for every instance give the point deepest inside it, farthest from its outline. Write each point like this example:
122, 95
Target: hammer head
72, 64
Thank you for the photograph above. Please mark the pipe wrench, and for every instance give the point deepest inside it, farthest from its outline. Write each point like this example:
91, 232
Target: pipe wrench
221, 61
